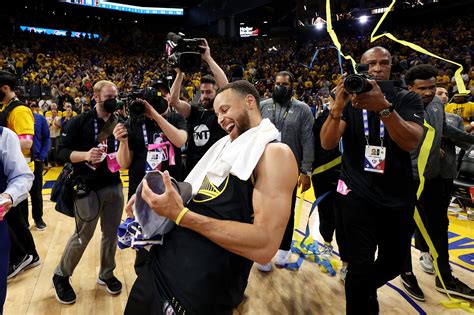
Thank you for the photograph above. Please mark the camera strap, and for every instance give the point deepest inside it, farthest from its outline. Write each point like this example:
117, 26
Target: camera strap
96, 135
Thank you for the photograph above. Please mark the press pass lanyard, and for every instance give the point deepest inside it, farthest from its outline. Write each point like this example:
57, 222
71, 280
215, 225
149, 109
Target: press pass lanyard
366, 128
280, 124
145, 135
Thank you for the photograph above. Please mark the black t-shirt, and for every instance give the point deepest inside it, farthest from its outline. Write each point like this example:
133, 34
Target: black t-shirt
203, 132
136, 143
394, 188
322, 156
80, 135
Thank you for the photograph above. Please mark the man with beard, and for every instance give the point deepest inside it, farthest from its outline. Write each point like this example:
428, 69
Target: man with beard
235, 218
88, 143
294, 121
436, 196
203, 129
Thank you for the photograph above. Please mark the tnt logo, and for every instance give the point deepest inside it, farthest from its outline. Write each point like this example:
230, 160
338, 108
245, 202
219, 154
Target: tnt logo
201, 135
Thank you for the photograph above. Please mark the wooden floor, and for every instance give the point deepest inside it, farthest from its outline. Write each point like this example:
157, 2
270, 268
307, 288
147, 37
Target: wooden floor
307, 291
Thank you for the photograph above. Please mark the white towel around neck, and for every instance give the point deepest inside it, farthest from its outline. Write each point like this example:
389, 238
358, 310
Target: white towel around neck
238, 157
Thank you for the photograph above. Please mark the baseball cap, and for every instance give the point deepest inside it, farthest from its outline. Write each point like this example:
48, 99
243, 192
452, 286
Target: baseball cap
153, 224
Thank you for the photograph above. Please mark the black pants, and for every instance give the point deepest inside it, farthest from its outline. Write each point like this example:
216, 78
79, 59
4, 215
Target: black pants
53, 151
21, 238
288, 236
36, 193
433, 207
368, 227
322, 183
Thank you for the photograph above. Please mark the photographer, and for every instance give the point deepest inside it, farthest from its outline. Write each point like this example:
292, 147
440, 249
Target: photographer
85, 143
203, 129
158, 126
376, 200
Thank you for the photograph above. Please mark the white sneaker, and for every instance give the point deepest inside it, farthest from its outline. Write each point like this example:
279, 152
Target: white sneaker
265, 267
426, 263
281, 258
326, 251
343, 272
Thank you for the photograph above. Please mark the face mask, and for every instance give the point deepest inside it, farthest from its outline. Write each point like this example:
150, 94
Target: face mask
110, 105
281, 94
2, 96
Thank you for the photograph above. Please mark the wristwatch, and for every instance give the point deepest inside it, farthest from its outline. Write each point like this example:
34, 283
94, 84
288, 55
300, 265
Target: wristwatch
384, 113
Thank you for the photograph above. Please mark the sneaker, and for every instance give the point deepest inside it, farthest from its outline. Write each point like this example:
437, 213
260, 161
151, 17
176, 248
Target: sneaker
264, 267
40, 225
426, 263
63, 290
281, 258
455, 287
113, 285
411, 287
36, 261
326, 251
14, 269
343, 272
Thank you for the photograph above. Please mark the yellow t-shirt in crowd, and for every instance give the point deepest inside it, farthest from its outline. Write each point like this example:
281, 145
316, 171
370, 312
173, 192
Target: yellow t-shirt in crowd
465, 110
22, 122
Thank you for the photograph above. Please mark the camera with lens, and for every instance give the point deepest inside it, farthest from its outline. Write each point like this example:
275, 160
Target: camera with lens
358, 83
183, 53
137, 108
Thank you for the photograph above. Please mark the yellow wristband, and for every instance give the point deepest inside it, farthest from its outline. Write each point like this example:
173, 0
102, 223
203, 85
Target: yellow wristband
181, 215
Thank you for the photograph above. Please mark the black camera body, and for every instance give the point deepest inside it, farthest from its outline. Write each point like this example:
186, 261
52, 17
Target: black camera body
357, 83
184, 54
137, 108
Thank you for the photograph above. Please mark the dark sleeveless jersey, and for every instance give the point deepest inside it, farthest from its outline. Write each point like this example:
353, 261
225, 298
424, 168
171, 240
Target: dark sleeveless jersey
191, 272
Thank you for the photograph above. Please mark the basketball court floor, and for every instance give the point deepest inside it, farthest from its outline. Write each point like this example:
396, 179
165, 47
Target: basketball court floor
306, 291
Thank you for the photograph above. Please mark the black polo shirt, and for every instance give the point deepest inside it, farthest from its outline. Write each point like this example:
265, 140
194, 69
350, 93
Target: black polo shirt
394, 188
136, 143
79, 135
203, 132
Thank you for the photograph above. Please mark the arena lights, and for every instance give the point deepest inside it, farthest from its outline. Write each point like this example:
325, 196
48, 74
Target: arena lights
105, 4
363, 19
319, 26
57, 32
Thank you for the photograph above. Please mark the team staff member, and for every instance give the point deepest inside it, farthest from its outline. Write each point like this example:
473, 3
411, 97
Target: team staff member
15, 181
18, 117
376, 191
295, 122
436, 196
205, 260
134, 153
85, 144
203, 129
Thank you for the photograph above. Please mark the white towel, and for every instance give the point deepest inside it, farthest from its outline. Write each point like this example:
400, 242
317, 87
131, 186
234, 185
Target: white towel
238, 157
